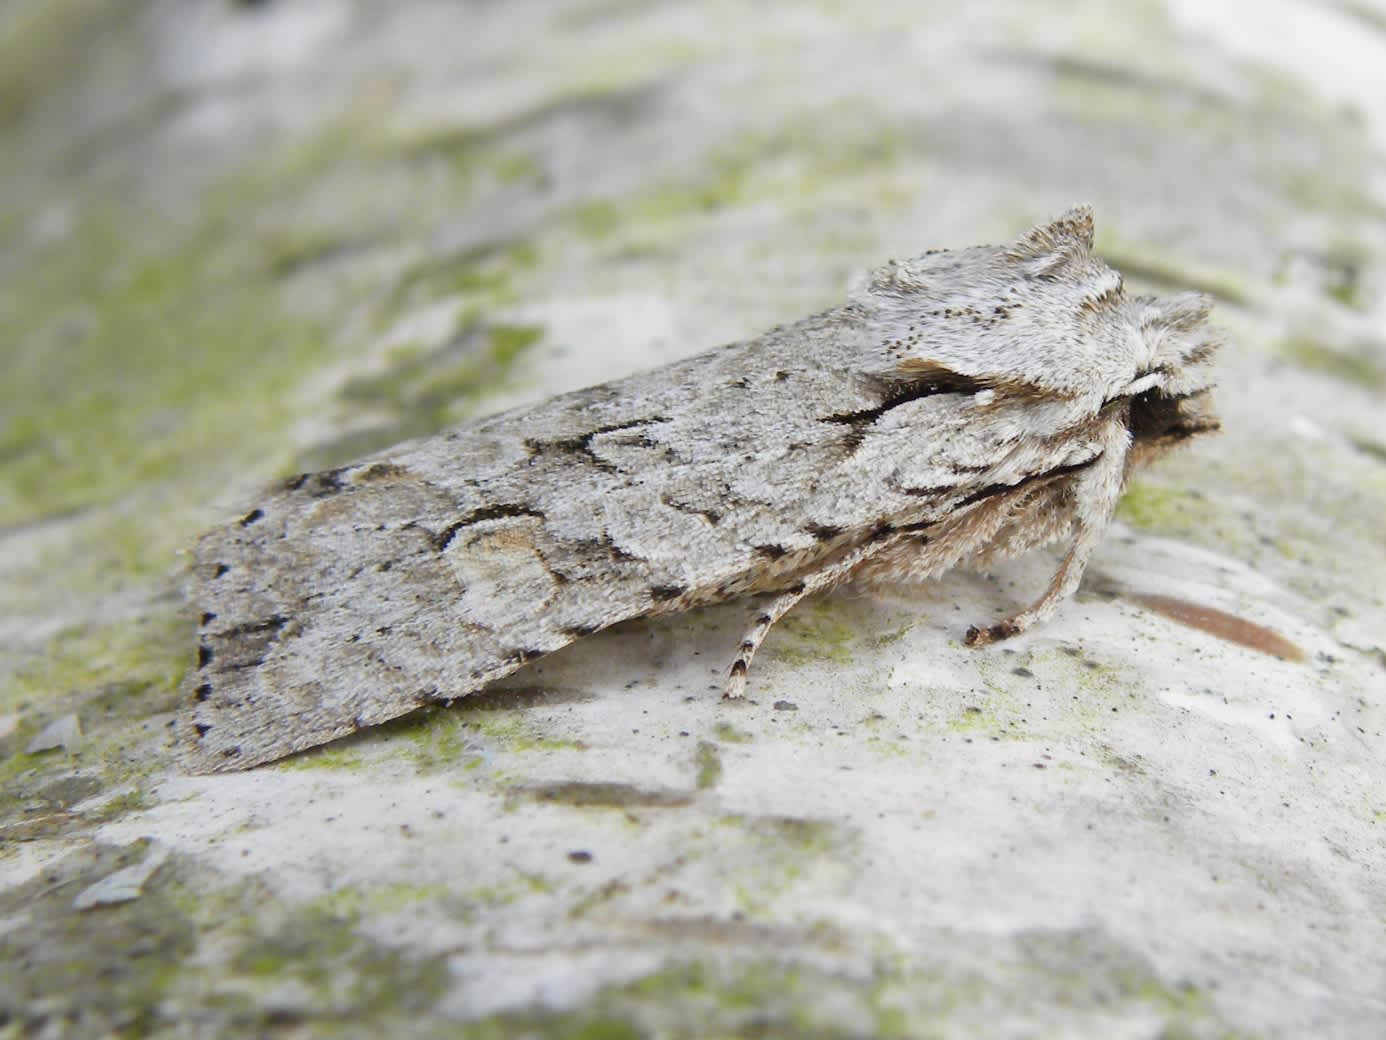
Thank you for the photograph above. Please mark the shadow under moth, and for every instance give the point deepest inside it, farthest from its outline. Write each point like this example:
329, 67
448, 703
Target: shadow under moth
961, 407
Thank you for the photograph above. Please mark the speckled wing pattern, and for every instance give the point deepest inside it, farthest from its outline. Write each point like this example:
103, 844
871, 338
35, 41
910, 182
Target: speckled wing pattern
959, 407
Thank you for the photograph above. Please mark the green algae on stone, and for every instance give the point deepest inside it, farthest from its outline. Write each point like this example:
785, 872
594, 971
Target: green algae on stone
1160, 509
319, 967
794, 164
330, 758
125, 358
707, 761
438, 740
421, 392
103, 972
947, 990
126, 661
1144, 263
729, 734
972, 718
484, 275
113, 678
1348, 364
815, 632
797, 837
350, 903
46, 44
734, 996
432, 385
588, 794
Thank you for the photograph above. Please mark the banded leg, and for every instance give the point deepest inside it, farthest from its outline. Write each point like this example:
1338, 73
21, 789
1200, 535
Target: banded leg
815, 581
1097, 492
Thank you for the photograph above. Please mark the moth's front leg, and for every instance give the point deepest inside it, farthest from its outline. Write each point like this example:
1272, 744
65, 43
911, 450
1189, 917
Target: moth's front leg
1096, 491
810, 582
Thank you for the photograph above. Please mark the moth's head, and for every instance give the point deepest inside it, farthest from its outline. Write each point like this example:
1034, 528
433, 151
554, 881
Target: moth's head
1042, 320
1169, 394
1153, 354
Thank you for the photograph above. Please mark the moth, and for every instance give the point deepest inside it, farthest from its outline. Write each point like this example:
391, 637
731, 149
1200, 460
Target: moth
961, 407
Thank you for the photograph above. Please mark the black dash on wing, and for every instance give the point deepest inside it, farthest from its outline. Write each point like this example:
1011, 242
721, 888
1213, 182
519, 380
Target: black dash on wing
252, 516
936, 491
381, 471
582, 443
208, 617
711, 516
918, 525
202, 692
926, 381
615, 551
663, 593
269, 625
318, 485
221, 569
772, 551
248, 644
823, 532
992, 490
444, 538
738, 667
202, 728
204, 655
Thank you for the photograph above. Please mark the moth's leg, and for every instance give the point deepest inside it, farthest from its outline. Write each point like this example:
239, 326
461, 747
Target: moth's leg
1095, 492
808, 584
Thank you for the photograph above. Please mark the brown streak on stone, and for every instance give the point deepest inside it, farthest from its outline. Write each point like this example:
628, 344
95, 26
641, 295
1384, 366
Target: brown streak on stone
1225, 626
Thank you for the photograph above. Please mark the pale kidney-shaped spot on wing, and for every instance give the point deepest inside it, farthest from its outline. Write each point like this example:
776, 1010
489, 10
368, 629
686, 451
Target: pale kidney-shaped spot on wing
503, 577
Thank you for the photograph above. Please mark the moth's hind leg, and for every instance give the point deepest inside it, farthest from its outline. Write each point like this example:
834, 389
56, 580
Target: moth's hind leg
813, 581
755, 635
1095, 494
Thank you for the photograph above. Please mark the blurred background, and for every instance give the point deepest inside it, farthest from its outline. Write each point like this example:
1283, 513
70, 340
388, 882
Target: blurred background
244, 239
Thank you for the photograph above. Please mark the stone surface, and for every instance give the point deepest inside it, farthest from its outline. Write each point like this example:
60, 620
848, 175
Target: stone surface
238, 240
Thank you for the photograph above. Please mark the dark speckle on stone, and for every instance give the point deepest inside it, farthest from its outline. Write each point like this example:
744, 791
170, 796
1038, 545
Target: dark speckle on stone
580, 856
786, 706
